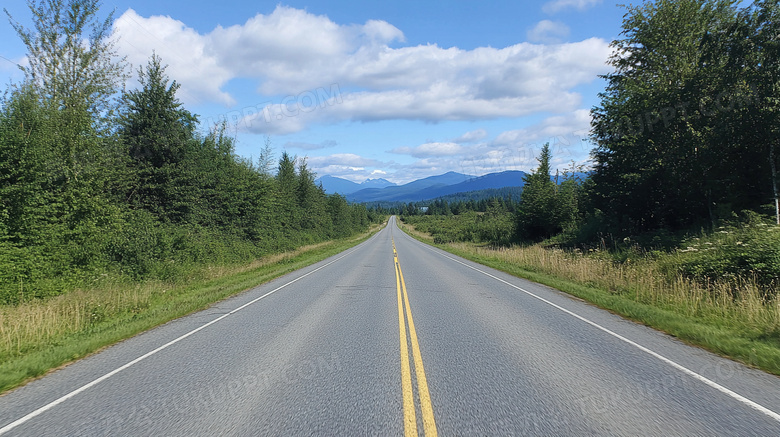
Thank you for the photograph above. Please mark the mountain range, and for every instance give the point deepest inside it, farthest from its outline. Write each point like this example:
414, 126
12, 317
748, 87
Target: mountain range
332, 184
380, 190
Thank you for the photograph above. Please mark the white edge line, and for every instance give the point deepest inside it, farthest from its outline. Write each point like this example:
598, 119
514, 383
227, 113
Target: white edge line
709, 382
97, 381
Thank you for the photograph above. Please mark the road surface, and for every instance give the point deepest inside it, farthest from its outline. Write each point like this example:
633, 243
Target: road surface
395, 337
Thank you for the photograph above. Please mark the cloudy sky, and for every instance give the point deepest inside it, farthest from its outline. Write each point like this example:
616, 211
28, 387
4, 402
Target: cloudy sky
393, 89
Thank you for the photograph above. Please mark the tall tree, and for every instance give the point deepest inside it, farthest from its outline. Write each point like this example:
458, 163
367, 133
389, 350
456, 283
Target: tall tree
155, 126
72, 58
30, 189
542, 212
157, 133
660, 160
287, 184
74, 74
756, 51
311, 200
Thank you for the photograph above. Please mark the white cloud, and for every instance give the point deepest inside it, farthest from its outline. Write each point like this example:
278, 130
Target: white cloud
188, 54
548, 32
343, 159
431, 149
510, 150
567, 135
573, 124
472, 136
493, 160
291, 52
556, 6
347, 165
514, 150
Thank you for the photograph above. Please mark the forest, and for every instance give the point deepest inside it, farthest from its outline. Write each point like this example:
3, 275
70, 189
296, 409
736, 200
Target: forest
687, 128
98, 181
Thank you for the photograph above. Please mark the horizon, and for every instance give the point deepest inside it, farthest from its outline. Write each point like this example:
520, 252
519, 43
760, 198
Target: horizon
431, 176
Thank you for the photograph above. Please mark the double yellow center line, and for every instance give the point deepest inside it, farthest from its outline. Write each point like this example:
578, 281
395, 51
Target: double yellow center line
410, 418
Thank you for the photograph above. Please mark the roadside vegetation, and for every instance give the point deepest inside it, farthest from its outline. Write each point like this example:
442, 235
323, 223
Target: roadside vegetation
117, 212
729, 313
676, 224
41, 334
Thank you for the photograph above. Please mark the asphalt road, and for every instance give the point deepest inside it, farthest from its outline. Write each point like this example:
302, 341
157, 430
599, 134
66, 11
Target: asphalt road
396, 337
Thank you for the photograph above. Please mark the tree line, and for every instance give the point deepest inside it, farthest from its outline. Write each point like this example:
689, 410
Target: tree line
96, 180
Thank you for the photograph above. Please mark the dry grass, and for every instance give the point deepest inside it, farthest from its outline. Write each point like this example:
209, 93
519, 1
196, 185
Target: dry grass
737, 303
29, 325
37, 322
214, 272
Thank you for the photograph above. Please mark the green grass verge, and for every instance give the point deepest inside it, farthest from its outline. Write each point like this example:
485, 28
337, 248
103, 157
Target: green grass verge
707, 333
176, 302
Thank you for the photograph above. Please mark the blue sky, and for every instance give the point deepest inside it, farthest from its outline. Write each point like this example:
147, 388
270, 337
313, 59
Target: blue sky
399, 90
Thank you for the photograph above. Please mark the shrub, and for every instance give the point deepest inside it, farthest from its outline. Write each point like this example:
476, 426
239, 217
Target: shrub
750, 250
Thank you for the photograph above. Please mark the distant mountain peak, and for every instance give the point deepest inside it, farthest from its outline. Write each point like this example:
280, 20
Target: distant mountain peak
333, 184
376, 183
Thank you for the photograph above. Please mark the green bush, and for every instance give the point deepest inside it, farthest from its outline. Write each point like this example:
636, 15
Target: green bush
492, 227
749, 250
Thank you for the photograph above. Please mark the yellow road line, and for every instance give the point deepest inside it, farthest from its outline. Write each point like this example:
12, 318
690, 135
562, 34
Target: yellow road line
410, 420
429, 424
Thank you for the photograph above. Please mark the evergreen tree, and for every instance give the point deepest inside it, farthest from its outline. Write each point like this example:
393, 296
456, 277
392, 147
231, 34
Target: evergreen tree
536, 217
158, 134
287, 184
155, 127
545, 208
311, 201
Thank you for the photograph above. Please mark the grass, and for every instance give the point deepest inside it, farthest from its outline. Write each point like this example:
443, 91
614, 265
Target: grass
733, 318
40, 335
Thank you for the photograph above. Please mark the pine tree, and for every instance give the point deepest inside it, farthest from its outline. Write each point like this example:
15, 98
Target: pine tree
545, 208
536, 216
157, 133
